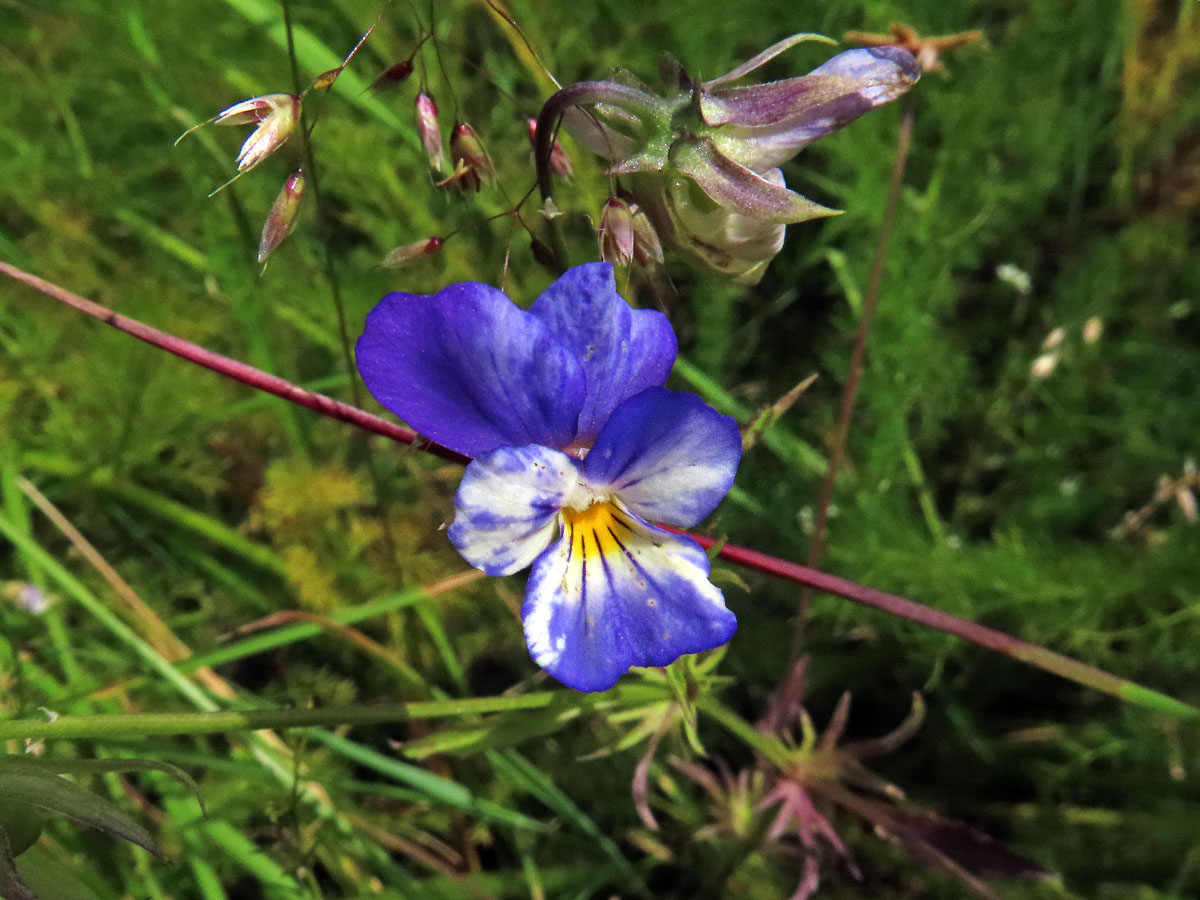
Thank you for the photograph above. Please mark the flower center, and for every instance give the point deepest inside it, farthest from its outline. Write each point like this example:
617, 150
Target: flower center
599, 529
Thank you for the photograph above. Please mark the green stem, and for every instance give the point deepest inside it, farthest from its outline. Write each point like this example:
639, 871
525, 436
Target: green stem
218, 722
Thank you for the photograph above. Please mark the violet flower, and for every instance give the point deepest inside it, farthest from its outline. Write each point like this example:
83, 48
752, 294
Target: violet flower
578, 448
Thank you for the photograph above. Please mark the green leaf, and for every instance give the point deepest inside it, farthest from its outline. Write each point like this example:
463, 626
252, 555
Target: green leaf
26, 785
19, 828
103, 766
51, 875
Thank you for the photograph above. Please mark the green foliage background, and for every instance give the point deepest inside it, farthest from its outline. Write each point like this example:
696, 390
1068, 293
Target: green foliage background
1066, 146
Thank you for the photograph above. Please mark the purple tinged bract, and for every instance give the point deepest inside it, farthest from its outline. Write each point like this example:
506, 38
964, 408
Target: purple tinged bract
707, 153
577, 448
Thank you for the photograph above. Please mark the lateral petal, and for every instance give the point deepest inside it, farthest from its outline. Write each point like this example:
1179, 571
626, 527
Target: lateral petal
507, 505
667, 455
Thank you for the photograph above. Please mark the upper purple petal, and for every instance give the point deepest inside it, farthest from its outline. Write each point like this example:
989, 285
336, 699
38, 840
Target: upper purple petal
622, 350
471, 370
667, 455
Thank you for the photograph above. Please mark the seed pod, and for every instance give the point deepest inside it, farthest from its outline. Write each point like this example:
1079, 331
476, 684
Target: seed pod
647, 248
282, 217
429, 131
616, 232
393, 75
271, 133
466, 149
403, 256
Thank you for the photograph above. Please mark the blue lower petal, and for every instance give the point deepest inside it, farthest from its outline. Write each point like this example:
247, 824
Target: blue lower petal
615, 592
507, 506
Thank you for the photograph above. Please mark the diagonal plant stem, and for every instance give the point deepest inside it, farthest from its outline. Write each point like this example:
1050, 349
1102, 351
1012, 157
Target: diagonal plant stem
232, 368
988, 638
128, 725
857, 361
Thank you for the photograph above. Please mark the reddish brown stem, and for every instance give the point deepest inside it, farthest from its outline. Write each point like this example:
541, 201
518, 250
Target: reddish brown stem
238, 371
857, 361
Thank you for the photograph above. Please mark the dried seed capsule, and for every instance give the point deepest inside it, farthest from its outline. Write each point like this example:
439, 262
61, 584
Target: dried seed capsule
430, 131
282, 217
409, 253
616, 232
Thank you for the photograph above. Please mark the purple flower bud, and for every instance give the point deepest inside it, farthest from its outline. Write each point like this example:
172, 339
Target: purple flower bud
430, 131
616, 232
707, 153
403, 256
282, 217
560, 163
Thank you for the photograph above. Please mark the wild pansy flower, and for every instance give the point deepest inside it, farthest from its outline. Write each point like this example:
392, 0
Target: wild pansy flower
577, 448
704, 156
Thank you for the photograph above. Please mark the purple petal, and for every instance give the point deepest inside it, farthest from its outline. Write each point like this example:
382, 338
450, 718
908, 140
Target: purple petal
507, 505
739, 189
616, 592
622, 350
839, 91
667, 455
469, 369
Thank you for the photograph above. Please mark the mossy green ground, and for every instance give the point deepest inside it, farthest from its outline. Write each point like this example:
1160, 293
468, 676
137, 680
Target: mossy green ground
1065, 147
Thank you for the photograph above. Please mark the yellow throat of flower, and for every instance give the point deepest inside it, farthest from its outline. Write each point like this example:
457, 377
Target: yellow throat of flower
600, 529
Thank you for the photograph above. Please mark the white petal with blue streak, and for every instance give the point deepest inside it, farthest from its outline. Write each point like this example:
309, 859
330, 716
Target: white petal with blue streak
668, 455
615, 592
506, 509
